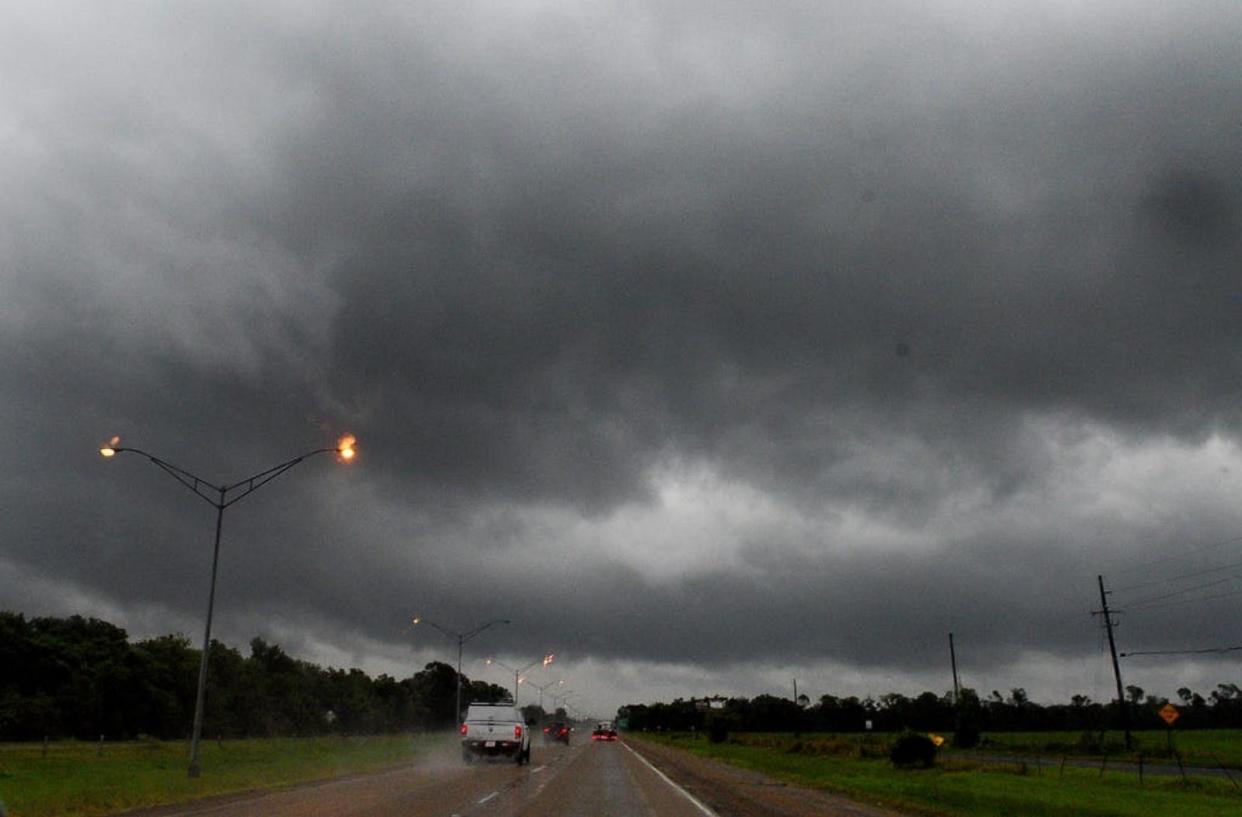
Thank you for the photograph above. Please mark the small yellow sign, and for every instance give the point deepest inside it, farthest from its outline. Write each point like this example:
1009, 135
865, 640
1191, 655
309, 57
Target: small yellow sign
936, 739
1169, 713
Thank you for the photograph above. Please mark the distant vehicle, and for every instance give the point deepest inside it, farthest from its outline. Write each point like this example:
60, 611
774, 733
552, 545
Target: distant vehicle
555, 732
495, 730
604, 730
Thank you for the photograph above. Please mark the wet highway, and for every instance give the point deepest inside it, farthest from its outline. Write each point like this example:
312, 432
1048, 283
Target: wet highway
581, 780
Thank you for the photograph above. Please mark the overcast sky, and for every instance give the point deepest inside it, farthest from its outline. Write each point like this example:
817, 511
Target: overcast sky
715, 344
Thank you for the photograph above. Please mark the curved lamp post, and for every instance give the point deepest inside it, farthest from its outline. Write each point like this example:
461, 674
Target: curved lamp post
542, 687
517, 673
220, 497
462, 638
561, 699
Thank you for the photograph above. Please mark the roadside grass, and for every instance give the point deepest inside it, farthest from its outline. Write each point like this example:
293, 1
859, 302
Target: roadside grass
1199, 747
960, 787
80, 779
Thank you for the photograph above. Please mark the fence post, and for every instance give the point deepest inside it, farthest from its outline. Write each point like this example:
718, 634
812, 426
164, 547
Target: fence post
1140, 768
99, 751
45, 742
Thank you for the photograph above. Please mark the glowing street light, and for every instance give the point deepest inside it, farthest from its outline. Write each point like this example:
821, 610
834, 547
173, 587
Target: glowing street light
462, 638
220, 497
517, 673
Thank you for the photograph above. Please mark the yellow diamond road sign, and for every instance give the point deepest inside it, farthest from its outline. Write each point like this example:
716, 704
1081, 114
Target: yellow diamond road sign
1169, 713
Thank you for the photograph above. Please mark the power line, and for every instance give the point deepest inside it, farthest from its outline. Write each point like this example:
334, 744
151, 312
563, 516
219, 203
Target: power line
1182, 652
1183, 601
1140, 602
1178, 578
1163, 559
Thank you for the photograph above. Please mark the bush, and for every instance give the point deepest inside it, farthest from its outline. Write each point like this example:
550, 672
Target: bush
966, 735
912, 749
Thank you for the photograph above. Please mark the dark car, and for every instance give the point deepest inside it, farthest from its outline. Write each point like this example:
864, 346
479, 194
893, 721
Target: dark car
554, 732
604, 731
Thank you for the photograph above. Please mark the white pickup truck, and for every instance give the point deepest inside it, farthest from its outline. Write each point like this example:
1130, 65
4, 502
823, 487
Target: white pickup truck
492, 730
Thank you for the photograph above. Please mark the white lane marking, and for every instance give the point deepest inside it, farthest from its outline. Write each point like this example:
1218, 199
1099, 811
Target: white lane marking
665, 778
538, 769
489, 797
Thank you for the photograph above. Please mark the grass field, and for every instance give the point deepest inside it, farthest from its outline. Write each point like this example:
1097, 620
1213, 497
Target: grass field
958, 787
1204, 747
82, 780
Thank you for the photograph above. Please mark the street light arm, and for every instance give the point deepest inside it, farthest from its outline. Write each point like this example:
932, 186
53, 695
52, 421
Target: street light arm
189, 480
254, 483
546, 660
196, 483
467, 636
503, 665
454, 635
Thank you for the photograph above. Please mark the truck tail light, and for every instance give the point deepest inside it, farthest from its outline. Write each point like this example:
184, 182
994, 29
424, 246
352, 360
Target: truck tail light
463, 730
517, 733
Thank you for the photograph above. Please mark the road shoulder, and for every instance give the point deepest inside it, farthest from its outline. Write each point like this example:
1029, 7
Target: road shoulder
734, 791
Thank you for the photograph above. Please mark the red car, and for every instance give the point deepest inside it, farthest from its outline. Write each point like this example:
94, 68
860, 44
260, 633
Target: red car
554, 732
604, 731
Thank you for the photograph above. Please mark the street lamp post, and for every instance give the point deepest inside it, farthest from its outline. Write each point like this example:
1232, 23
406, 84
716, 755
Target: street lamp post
542, 687
218, 496
462, 638
517, 673
562, 699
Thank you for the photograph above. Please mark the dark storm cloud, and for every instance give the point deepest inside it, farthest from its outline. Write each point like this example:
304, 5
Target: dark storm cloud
532, 256
710, 282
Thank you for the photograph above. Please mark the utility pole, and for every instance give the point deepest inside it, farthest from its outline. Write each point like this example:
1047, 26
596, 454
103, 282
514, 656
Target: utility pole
953, 661
1112, 646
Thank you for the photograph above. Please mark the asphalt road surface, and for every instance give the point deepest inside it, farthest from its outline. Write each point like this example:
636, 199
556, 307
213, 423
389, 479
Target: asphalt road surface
582, 780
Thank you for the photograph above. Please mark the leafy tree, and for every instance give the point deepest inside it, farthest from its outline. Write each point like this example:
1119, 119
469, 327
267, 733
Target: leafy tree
968, 719
170, 670
435, 689
484, 692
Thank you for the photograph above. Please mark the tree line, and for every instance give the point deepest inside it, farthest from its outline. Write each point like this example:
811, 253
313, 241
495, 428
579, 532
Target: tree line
81, 678
929, 712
